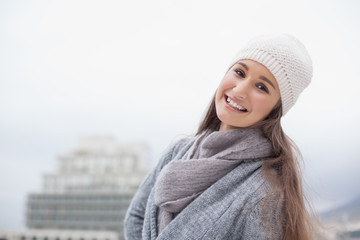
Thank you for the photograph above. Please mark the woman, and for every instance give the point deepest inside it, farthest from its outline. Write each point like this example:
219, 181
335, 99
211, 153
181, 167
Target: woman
238, 178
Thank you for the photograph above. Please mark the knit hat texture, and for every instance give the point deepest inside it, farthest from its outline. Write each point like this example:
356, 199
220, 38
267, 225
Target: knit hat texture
286, 58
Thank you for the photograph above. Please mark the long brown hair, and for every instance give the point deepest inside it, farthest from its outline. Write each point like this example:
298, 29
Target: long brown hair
296, 218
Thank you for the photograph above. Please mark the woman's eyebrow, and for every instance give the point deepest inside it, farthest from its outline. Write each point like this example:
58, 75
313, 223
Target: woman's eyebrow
244, 65
267, 80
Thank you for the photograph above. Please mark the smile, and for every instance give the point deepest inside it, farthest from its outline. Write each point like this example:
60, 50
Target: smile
235, 105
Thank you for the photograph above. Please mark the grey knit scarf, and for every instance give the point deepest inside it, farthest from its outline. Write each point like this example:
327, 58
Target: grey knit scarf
212, 155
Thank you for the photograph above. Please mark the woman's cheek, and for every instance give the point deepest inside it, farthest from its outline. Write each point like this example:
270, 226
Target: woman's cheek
262, 104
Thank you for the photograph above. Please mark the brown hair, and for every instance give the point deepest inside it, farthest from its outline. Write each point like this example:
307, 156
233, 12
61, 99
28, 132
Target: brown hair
296, 218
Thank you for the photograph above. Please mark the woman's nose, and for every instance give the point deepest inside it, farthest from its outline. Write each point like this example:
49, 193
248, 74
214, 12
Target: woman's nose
241, 89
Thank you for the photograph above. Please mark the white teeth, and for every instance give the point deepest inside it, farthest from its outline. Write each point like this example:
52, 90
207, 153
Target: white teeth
232, 103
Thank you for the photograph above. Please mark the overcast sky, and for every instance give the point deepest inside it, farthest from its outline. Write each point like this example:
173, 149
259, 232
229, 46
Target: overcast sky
146, 70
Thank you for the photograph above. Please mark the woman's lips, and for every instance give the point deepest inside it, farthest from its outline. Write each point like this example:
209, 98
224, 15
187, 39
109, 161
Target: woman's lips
234, 105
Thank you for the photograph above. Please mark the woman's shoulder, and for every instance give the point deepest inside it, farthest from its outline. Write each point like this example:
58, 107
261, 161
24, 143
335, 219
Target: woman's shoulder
182, 138
270, 190
260, 184
179, 142
252, 183
176, 146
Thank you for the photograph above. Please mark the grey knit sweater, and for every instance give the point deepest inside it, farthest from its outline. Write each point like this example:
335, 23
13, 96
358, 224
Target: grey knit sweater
240, 205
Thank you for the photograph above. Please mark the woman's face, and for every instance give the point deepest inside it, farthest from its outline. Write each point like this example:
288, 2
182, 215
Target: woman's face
246, 95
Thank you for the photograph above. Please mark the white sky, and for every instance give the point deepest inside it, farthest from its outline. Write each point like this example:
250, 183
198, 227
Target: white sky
146, 70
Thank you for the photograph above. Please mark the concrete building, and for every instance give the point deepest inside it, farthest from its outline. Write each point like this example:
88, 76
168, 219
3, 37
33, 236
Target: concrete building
91, 188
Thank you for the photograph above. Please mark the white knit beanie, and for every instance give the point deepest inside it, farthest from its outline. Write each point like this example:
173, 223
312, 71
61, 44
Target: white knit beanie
286, 58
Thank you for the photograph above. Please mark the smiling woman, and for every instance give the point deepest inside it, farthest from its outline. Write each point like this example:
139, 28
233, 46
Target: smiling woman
238, 177
245, 96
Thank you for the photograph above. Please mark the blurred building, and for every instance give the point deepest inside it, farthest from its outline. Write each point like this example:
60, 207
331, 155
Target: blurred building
45, 234
91, 188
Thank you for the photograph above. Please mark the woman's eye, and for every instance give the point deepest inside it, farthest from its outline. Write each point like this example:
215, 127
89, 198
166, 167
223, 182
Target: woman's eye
240, 73
262, 88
